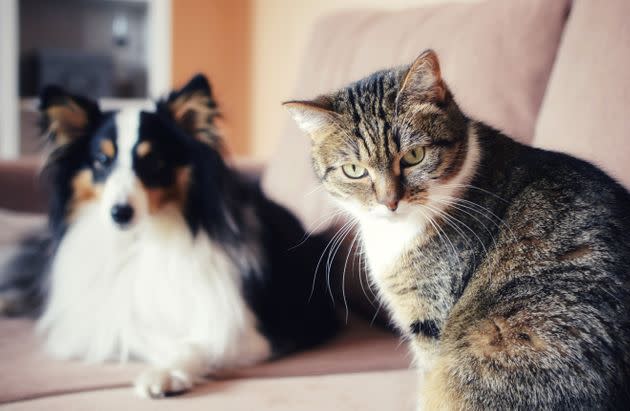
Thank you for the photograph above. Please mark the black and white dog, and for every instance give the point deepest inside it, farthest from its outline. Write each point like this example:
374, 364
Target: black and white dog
159, 251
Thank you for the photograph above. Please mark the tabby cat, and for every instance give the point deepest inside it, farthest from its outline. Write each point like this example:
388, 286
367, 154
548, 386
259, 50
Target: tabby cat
507, 268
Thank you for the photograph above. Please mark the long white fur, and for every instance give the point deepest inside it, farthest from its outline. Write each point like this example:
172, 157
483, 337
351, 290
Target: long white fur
154, 292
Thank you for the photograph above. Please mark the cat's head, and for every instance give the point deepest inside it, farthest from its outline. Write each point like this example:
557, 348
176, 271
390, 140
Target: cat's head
392, 143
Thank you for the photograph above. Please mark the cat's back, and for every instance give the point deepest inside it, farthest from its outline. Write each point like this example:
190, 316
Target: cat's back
552, 187
554, 286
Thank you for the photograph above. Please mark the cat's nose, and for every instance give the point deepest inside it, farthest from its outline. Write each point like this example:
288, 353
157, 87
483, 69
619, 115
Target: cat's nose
392, 205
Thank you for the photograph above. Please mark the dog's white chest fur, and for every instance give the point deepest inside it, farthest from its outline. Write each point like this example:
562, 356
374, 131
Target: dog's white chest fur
146, 294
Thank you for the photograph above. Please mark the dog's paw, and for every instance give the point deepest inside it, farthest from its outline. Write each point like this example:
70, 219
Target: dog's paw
161, 382
8, 304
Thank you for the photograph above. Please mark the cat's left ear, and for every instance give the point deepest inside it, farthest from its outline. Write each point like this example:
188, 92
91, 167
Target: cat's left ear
315, 117
423, 82
194, 109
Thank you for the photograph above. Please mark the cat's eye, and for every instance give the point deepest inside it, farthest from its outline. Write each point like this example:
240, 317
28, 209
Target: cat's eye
354, 171
413, 157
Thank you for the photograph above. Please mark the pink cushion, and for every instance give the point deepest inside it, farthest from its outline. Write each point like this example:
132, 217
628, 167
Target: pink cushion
369, 391
586, 111
29, 373
495, 55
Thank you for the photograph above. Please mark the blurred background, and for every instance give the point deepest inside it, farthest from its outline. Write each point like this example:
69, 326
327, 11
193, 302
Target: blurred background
125, 51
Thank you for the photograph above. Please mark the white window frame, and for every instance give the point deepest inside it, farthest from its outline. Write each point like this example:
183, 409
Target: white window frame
158, 68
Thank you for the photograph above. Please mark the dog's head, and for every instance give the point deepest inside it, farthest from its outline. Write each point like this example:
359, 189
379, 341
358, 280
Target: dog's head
132, 163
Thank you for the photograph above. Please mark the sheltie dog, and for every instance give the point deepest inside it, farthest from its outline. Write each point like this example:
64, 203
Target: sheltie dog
158, 250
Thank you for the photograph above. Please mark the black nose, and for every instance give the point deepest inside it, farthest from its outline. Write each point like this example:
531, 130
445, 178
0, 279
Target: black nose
122, 213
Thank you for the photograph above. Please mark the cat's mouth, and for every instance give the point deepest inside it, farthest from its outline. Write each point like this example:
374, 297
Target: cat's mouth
382, 212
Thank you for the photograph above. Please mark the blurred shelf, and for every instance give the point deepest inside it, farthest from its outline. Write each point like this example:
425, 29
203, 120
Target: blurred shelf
29, 104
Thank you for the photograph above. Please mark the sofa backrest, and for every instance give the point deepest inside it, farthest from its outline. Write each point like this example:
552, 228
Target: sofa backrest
496, 56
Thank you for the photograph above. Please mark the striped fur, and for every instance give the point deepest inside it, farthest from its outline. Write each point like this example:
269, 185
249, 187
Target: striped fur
507, 268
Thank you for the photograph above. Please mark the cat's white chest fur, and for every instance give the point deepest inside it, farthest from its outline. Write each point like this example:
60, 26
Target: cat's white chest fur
385, 239
145, 294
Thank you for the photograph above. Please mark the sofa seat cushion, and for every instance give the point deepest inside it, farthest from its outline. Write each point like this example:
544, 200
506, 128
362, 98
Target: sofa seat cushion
377, 391
29, 373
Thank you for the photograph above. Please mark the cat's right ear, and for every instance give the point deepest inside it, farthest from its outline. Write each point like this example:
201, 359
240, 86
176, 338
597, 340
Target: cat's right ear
315, 117
423, 82
66, 117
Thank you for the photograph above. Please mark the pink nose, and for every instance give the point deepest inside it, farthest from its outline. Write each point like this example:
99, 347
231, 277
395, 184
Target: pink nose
392, 205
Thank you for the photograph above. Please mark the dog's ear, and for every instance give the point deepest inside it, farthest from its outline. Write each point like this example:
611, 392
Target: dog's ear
66, 117
194, 109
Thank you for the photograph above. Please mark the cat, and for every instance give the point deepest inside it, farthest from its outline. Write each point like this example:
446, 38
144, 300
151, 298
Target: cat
506, 267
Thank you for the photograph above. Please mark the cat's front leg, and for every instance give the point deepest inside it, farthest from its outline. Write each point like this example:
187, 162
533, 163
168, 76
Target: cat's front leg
188, 367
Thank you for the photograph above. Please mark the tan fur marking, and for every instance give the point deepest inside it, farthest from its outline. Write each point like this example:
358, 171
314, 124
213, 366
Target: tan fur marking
435, 394
143, 149
66, 121
497, 336
84, 190
193, 114
107, 147
576, 253
177, 193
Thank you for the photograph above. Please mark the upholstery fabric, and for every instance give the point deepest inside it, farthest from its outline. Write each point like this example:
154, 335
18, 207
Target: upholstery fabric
496, 56
586, 111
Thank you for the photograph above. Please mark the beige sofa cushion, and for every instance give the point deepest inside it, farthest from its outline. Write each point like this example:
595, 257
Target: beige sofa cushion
373, 391
586, 111
28, 373
496, 56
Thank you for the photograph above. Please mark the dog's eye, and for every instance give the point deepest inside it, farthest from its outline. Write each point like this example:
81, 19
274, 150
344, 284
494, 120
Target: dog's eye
101, 161
153, 163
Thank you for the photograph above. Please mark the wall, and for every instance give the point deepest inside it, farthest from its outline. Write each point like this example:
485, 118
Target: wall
280, 32
214, 37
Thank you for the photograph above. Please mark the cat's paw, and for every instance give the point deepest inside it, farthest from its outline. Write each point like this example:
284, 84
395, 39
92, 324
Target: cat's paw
163, 382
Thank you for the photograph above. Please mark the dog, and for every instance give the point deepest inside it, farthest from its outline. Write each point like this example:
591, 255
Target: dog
159, 251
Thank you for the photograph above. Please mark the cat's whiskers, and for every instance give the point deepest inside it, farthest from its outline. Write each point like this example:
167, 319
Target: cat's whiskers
453, 222
453, 204
482, 211
343, 275
332, 247
479, 189
338, 243
452, 218
444, 239
313, 191
319, 222
360, 272
319, 261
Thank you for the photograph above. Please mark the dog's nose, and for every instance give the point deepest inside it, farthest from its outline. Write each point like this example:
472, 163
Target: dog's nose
122, 213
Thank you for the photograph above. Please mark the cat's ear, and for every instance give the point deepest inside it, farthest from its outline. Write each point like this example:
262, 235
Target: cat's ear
195, 110
66, 117
313, 116
423, 81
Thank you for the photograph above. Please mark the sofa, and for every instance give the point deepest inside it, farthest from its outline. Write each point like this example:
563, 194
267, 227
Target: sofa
551, 73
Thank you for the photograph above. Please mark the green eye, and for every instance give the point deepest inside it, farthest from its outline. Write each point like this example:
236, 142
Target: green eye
413, 157
354, 171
